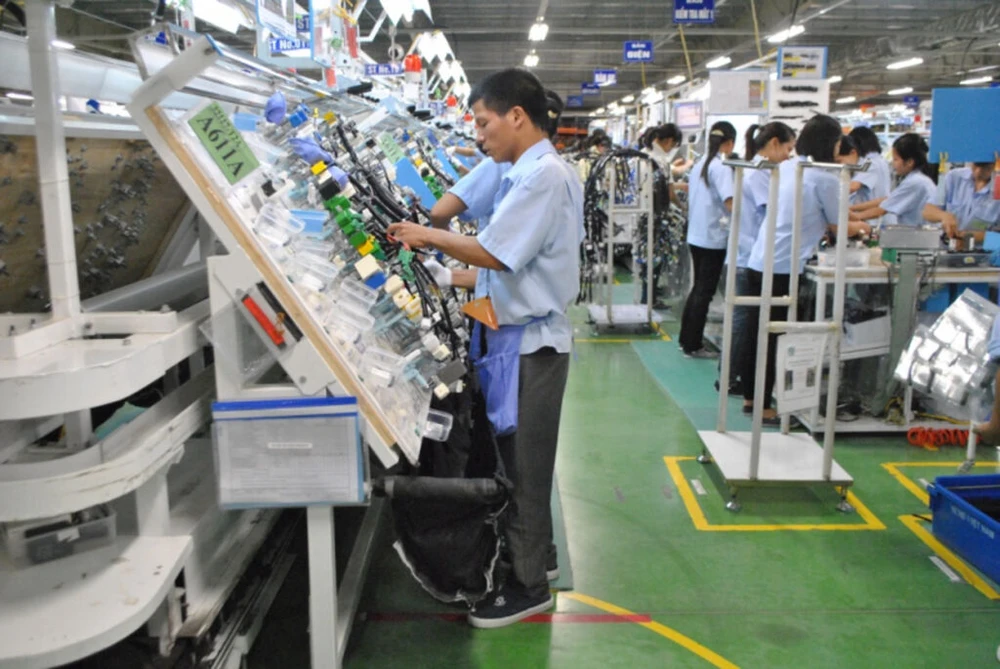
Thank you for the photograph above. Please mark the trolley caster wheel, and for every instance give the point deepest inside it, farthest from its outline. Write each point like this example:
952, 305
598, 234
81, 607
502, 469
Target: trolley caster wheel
966, 466
733, 506
845, 507
705, 459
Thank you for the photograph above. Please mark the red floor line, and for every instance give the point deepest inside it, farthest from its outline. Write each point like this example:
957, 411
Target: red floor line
548, 618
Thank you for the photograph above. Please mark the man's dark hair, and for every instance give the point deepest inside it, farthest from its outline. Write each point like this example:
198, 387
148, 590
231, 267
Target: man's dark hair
502, 91
553, 111
866, 140
819, 138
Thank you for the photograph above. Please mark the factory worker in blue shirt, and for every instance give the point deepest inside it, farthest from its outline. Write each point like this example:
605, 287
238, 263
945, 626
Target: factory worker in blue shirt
907, 201
878, 177
710, 200
529, 260
774, 143
862, 183
819, 140
967, 205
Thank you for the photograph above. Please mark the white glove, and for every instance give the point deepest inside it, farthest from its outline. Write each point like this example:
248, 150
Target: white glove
450, 151
441, 274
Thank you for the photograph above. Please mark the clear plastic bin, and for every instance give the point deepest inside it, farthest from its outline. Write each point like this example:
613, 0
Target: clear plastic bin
438, 425
34, 543
277, 226
352, 289
347, 321
313, 273
379, 368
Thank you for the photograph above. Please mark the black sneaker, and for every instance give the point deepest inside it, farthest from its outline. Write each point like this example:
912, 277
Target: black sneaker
507, 607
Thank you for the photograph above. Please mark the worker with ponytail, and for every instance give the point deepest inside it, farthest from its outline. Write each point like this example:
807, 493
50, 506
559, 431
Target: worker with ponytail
710, 200
914, 192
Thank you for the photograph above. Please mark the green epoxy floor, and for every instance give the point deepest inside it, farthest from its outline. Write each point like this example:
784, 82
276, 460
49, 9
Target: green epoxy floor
818, 599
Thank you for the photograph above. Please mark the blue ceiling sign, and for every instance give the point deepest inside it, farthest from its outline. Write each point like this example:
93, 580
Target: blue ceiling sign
590, 89
605, 77
694, 11
639, 52
574, 101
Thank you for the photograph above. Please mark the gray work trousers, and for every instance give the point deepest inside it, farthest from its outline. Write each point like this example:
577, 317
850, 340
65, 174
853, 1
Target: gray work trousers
530, 457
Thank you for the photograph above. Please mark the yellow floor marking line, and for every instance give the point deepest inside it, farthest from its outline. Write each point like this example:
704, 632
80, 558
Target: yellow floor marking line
663, 335
687, 643
895, 469
952, 560
701, 522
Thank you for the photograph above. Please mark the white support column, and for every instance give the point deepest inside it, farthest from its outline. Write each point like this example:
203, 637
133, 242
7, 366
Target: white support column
322, 588
57, 213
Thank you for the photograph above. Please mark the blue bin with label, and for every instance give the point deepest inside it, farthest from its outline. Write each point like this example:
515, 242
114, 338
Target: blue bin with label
963, 507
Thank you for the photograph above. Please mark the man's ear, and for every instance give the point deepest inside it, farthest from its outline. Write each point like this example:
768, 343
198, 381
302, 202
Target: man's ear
517, 116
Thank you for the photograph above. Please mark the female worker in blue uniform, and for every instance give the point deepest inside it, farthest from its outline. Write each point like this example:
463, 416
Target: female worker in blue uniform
878, 178
906, 202
967, 205
773, 143
861, 190
819, 140
710, 200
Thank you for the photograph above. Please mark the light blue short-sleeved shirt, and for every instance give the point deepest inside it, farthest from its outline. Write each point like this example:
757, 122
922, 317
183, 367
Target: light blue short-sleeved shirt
706, 204
478, 188
753, 210
878, 177
908, 200
535, 231
820, 208
973, 208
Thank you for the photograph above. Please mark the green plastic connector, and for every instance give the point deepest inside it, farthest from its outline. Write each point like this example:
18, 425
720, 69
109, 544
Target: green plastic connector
357, 239
406, 260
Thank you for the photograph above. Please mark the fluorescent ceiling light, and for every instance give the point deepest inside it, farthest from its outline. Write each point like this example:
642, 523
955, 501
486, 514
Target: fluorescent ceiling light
843, 101
679, 79
627, 99
786, 34
976, 80
531, 60
835, 79
600, 111
60, 44
649, 90
718, 62
902, 64
20, 96
985, 68
653, 98
901, 91
539, 31
613, 105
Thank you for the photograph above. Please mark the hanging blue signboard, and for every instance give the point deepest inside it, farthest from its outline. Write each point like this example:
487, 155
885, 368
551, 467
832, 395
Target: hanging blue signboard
694, 11
302, 24
912, 101
590, 89
383, 69
605, 77
574, 100
639, 52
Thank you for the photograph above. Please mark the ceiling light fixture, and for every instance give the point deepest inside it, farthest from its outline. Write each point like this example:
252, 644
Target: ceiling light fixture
985, 68
835, 79
539, 31
600, 111
649, 90
628, 99
718, 62
61, 44
901, 91
902, 64
531, 60
786, 34
20, 96
976, 80
679, 79
843, 101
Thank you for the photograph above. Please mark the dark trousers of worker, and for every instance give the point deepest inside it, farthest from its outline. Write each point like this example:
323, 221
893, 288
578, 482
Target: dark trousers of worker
530, 458
748, 370
707, 268
740, 323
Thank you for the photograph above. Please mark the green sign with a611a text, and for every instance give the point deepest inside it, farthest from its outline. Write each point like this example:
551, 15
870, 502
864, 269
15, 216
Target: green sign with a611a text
223, 142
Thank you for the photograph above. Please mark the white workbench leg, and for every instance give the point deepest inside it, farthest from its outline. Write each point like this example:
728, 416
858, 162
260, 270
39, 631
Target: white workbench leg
322, 588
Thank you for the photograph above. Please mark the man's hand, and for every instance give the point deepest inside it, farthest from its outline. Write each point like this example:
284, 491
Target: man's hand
950, 225
413, 235
989, 432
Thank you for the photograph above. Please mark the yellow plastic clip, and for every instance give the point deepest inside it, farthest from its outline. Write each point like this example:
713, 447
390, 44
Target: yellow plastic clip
318, 168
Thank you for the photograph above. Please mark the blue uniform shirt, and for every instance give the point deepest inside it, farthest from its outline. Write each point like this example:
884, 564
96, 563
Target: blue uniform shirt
535, 231
878, 178
968, 204
820, 208
753, 209
706, 204
908, 200
478, 188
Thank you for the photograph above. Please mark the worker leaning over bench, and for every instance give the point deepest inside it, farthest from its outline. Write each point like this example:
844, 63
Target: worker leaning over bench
529, 260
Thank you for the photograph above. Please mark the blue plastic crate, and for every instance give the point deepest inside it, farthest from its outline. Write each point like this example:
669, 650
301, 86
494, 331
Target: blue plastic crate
965, 529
